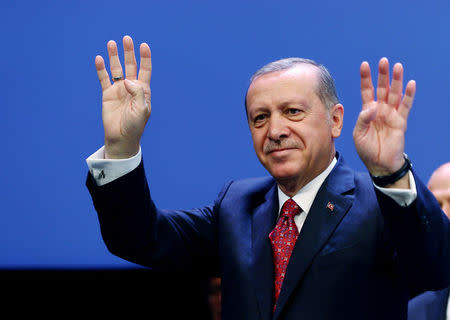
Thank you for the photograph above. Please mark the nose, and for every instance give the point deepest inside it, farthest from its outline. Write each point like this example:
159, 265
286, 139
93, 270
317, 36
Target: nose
278, 128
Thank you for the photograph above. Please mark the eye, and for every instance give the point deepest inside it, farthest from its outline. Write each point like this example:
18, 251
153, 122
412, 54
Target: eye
294, 111
259, 118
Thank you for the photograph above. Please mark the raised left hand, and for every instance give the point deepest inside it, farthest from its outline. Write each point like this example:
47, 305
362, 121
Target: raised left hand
379, 133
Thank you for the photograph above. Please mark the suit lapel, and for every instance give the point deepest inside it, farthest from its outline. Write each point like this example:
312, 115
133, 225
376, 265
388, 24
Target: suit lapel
261, 269
322, 220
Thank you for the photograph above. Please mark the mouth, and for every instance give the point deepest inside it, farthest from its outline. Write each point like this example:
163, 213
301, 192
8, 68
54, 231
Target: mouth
280, 151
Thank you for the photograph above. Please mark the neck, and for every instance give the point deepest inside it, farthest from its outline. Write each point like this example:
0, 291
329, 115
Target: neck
290, 188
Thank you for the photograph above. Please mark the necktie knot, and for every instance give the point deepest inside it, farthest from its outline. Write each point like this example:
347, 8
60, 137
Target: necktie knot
290, 209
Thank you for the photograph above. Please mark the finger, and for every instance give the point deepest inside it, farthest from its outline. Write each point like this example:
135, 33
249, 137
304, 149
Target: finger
114, 62
145, 71
395, 93
102, 74
367, 90
383, 80
129, 58
407, 102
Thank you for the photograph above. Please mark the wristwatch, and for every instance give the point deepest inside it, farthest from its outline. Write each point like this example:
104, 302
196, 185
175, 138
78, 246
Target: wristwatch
382, 181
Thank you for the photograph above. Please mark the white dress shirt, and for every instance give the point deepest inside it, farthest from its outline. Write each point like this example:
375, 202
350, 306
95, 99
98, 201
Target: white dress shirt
305, 196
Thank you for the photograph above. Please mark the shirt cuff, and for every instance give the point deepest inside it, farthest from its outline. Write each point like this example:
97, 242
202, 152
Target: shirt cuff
403, 197
107, 170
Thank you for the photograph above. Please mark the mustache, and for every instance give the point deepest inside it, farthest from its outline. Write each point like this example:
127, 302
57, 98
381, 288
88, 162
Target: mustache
272, 145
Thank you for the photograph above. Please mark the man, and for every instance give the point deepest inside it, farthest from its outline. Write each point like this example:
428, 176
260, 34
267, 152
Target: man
434, 304
439, 185
316, 240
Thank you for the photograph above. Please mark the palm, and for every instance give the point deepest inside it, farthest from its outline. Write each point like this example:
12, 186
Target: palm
126, 103
121, 116
379, 134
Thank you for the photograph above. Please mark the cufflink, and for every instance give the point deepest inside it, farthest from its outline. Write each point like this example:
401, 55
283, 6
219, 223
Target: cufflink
101, 175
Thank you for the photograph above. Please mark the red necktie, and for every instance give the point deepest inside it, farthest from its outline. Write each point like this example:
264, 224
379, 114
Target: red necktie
283, 238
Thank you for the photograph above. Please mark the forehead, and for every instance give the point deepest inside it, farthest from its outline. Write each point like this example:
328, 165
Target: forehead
299, 80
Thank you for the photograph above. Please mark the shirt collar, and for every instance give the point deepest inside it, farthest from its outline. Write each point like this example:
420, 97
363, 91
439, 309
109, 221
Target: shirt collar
306, 195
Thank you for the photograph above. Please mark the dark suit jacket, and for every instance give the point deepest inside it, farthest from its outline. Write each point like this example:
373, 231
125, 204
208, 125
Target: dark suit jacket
360, 261
431, 305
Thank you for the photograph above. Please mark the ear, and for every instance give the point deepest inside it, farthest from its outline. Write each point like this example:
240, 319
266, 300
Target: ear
336, 119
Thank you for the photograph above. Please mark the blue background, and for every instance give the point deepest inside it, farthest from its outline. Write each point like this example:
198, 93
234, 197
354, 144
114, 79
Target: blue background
197, 138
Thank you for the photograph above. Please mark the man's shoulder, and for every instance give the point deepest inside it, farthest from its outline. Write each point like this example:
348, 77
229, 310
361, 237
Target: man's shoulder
344, 178
252, 185
249, 192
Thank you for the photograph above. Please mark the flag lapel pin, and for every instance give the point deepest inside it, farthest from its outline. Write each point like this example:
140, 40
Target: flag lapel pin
330, 206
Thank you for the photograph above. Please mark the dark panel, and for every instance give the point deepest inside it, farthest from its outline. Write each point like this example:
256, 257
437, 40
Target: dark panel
131, 293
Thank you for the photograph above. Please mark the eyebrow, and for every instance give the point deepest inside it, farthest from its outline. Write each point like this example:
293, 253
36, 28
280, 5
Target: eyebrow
298, 103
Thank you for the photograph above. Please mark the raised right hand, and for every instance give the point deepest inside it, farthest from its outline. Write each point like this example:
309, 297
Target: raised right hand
126, 103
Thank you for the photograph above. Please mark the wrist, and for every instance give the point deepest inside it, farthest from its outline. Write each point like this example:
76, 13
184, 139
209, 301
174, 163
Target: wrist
394, 178
116, 151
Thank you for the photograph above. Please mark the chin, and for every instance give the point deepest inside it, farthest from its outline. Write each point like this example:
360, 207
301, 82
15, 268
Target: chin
284, 173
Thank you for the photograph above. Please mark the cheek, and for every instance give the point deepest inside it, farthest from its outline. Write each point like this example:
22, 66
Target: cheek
258, 142
324, 133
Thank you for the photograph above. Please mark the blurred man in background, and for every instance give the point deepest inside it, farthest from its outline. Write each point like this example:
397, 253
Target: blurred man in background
434, 305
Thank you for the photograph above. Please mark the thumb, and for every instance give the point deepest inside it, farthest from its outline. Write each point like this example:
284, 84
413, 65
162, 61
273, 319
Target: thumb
137, 92
365, 118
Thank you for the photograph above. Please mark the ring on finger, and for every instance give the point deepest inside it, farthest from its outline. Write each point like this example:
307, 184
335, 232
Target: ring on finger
117, 78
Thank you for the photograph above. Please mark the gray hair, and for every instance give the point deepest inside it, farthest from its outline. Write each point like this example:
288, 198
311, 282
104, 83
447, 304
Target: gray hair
326, 90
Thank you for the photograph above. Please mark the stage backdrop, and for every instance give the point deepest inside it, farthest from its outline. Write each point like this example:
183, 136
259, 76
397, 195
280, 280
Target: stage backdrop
197, 138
